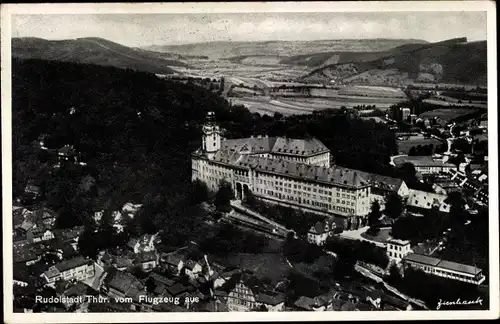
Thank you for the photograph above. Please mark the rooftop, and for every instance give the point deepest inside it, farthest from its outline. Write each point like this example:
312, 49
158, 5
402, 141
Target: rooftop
147, 256
421, 161
270, 298
24, 253
398, 242
72, 263
333, 175
124, 282
382, 182
304, 302
459, 267
427, 200
275, 145
177, 289
69, 233
449, 265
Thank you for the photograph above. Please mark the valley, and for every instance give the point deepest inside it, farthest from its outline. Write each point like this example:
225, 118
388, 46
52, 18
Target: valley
293, 77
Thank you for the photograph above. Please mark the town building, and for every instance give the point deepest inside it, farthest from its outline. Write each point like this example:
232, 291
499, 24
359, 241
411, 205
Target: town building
443, 268
292, 172
193, 269
397, 250
67, 153
25, 254
147, 260
445, 186
120, 284
174, 262
419, 200
383, 186
39, 234
248, 293
146, 243
320, 232
405, 113
77, 268
425, 164
468, 182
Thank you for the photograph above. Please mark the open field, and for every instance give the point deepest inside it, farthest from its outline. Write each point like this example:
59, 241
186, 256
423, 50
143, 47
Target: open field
226, 68
290, 106
404, 146
455, 102
448, 114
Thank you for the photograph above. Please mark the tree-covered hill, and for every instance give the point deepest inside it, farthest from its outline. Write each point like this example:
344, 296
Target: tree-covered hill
93, 50
453, 61
129, 127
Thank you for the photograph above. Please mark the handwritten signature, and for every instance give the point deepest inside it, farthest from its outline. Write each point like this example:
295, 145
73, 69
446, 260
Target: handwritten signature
459, 302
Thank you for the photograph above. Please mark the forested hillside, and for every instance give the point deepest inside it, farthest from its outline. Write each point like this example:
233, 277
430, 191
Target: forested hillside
451, 61
95, 51
128, 127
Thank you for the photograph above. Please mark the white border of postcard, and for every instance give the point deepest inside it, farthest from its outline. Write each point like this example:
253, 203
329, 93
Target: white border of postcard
10, 9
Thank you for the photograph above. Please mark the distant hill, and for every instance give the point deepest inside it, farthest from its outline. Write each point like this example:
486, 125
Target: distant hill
224, 49
95, 51
451, 61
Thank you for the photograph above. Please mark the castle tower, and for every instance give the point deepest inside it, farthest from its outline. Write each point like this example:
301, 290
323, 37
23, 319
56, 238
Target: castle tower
211, 137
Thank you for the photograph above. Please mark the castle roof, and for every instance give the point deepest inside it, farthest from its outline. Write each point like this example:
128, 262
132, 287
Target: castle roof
333, 175
275, 145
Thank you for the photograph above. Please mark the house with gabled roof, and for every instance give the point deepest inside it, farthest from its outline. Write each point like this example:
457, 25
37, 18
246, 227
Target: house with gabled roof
145, 243
69, 235
422, 200
173, 261
193, 269
39, 234
25, 254
246, 292
147, 260
122, 284
43, 216
321, 231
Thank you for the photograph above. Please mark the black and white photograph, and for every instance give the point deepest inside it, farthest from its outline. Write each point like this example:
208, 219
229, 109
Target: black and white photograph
286, 159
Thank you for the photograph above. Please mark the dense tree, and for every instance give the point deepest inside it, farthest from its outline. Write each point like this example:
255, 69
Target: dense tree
298, 250
407, 173
350, 251
223, 196
199, 192
393, 205
231, 239
394, 275
457, 207
150, 285
375, 214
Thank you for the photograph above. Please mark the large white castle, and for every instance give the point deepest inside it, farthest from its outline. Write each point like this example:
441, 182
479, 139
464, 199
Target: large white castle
293, 172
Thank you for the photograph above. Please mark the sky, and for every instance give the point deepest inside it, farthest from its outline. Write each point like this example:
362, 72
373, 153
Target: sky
173, 29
